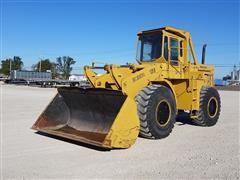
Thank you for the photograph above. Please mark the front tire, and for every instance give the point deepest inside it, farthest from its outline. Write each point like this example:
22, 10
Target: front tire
209, 108
156, 110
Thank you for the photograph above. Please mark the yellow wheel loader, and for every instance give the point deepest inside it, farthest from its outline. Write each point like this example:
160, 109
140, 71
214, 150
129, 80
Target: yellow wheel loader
137, 99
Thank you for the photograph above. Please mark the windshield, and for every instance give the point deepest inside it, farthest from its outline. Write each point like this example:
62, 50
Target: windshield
149, 47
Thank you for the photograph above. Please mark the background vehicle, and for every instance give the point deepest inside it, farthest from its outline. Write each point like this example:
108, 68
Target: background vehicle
44, 79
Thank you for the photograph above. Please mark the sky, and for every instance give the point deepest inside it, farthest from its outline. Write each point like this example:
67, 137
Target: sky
105, 31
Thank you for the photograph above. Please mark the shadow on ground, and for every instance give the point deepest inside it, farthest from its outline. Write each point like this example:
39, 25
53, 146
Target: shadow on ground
184, 119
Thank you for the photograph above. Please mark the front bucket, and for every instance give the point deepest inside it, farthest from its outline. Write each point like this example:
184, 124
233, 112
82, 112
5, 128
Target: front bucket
85, 115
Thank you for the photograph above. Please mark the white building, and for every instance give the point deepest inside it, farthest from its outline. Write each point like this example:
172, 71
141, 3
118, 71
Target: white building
235, 74
77, 77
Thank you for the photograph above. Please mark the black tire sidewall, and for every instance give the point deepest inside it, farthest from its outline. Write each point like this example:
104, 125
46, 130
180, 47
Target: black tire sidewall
208, 120
161, 93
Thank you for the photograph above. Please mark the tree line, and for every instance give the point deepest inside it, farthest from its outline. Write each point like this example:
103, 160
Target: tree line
60, 69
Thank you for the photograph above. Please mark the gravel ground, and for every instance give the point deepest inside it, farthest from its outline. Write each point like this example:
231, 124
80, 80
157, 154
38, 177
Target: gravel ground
190, 152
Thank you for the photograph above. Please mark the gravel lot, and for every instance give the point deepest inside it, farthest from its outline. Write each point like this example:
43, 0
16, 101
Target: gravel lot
189, 152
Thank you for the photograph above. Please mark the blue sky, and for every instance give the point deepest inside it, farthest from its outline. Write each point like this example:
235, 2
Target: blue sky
106, 30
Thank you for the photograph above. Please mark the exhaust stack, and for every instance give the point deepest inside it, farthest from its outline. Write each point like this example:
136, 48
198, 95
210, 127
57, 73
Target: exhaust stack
203, 53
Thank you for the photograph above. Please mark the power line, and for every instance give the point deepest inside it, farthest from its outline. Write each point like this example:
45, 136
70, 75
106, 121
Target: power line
124, 50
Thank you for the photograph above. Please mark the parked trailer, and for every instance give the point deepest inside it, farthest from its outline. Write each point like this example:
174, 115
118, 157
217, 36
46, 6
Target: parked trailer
30, 75
27, 77
43, 79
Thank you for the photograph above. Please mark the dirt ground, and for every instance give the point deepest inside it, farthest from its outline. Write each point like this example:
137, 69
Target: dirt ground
190, 152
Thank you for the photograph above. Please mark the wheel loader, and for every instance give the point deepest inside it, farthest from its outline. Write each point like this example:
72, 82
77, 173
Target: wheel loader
142, 99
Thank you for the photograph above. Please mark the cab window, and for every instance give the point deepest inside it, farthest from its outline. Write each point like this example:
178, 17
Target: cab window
150, 47
166, 48
174, 49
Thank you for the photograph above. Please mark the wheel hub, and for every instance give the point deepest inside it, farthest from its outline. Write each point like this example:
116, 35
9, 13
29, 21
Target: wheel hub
163, 113
212, 107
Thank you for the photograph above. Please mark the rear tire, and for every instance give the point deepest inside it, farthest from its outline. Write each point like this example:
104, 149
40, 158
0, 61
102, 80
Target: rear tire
210, 107
156, 110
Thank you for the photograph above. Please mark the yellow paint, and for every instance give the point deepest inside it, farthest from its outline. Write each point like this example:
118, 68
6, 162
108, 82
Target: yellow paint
125, 128
184, 79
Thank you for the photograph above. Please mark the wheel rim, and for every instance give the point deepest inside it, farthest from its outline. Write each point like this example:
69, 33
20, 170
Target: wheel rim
212, 107
163, 112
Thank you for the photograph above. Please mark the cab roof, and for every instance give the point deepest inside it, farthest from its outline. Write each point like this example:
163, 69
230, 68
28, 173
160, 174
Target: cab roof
173, 30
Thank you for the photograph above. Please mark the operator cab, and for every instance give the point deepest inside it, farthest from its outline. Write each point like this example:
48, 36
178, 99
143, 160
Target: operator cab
157, 44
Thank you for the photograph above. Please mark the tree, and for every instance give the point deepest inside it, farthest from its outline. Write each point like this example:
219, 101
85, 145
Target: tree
43, 65
46, 65
11, 64
64, 66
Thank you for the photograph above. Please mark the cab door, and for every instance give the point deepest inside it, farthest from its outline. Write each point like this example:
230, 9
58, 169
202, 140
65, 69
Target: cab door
173, 53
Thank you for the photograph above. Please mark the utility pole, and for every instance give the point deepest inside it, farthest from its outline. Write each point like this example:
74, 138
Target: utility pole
40, 65
10, 66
